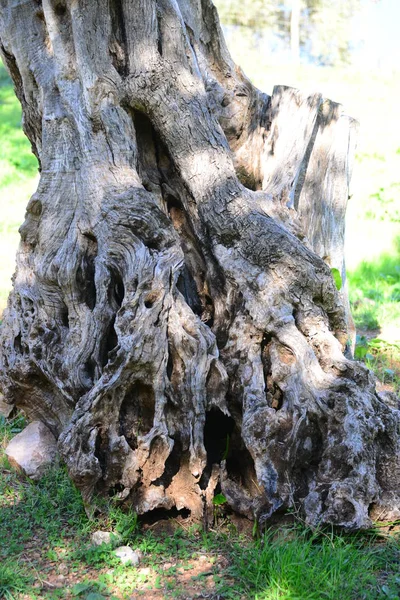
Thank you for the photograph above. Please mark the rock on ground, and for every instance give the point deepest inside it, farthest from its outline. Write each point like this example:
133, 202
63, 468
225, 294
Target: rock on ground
33, 450
105, 537
127, 555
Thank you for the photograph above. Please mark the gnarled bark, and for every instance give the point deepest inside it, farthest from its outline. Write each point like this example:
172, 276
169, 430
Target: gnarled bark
174, 320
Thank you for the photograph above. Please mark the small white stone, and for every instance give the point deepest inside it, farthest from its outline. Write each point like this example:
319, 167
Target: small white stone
127, 555
105, 537
33, 450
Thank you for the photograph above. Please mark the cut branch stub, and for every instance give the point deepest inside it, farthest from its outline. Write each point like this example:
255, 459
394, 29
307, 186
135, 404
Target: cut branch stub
174, 320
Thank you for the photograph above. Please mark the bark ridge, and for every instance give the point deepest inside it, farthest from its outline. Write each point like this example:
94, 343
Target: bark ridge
174, 321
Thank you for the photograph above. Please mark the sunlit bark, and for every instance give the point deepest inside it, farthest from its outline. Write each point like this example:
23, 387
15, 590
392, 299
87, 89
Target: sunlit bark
174, 320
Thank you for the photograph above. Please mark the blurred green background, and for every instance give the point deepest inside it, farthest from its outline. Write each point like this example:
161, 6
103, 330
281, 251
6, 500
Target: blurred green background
348, 50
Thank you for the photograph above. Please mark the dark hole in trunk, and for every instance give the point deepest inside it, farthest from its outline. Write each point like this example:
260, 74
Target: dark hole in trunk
119, 55
248, 179
60, 9
85, 284
91, 237
172, 465
170, 364
187, 287
159, 34
88, 373
116, 489
154, 164
101, 448
222, 336
137, 413
110, 342
116, 290
163, 514
240, 465
207, 315
218, 429
18, 344
173, 202
64, 315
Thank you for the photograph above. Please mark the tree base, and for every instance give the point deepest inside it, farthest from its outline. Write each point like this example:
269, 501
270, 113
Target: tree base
174, 320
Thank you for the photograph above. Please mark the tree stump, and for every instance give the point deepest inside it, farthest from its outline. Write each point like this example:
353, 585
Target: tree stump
174, 321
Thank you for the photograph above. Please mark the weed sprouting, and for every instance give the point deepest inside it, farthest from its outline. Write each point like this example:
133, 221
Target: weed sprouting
13, 579
383, 358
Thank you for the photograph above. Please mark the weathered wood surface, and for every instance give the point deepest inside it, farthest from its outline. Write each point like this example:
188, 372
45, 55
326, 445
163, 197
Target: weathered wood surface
173, 288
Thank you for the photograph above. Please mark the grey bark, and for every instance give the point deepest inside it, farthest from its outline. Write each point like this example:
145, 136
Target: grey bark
174, 320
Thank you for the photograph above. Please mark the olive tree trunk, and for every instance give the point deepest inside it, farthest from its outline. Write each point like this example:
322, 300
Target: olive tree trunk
174, 320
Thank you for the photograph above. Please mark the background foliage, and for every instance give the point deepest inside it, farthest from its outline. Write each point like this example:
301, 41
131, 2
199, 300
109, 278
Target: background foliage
324, 27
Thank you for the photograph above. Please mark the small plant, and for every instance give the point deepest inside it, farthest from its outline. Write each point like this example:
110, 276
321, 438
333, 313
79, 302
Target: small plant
125, 523
337, 278
89, 590
383, 358
218, 501
13, 580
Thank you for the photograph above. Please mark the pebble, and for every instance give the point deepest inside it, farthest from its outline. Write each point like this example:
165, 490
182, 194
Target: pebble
105, 537
127, 555
63, 569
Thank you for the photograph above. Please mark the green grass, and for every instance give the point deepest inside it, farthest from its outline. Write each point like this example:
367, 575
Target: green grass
375, 294
305, 566
16, 158
18, 180
45, 530
13, 580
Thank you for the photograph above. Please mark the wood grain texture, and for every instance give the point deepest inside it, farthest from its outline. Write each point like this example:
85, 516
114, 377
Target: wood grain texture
174, 321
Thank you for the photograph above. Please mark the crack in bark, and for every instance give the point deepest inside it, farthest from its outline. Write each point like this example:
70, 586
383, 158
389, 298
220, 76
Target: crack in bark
119, 41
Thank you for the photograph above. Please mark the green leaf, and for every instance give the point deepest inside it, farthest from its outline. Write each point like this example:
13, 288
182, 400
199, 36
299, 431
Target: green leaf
219, 499
360, 352
80, 588
375, 342
337, 278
